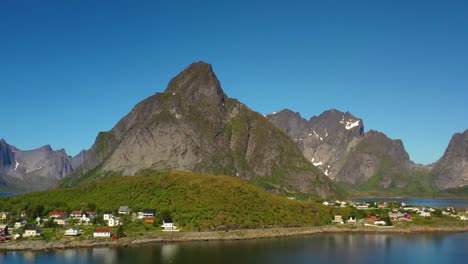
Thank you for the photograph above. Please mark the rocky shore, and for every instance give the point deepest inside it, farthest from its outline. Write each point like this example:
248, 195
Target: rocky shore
66, 243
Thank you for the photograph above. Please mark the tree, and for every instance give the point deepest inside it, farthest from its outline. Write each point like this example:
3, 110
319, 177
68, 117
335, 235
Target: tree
92, 207
120, 231
39, 211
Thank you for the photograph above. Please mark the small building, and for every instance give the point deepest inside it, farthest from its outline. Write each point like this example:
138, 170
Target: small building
61, 221
124, 210
168, 224
72, 232
407, 217
114, 221
424, 213
4, 215
463, 217
146, 213
107, 215
352, 219
380, 222
362, 206
56, 214
31, 231
372, 217
76, 214
4, 230
382, 205
102, 232
326, 203
149, 220
85, 219
40, 221
338, 219
19, 223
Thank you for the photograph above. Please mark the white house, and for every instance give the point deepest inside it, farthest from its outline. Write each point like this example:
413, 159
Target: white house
124, 210
107, 215
352, 219
85, 219
76, 214
61, 221
338, 219
425, 213
114, 221
380, 222
71, 232
19, 223
146, 213
40, 221
102, 232
326, 203
168, 225
464, 217
31, 231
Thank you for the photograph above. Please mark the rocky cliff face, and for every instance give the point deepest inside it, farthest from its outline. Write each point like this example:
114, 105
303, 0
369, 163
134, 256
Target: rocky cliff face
451, 171
335, 142
325, 140
194, 126
32, 170
376, 154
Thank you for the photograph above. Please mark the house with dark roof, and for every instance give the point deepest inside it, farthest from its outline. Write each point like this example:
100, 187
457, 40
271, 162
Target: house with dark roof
32, 231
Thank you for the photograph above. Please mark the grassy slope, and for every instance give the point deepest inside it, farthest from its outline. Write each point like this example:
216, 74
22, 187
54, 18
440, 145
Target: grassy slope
195, 201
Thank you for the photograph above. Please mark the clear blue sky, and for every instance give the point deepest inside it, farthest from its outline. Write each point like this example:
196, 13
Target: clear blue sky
69, 69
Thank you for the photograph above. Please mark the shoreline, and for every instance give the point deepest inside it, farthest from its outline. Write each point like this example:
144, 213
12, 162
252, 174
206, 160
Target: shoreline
245, 234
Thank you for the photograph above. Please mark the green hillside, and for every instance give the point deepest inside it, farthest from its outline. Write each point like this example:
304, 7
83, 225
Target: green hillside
417, 184
195, 201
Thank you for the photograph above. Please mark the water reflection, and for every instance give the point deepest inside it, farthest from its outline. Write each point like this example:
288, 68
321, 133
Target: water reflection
168, 252
104, 255
327, 248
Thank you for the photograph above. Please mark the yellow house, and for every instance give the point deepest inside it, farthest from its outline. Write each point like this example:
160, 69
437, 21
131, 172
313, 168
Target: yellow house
3, 215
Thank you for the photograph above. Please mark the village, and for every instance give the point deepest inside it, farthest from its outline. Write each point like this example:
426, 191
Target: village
80, 223
385, 214
87, 224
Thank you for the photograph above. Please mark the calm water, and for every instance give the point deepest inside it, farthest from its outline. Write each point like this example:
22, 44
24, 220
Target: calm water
436, 203
330, 248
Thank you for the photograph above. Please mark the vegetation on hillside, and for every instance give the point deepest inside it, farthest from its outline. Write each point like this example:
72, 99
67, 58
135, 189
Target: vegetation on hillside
195, 201
417, 184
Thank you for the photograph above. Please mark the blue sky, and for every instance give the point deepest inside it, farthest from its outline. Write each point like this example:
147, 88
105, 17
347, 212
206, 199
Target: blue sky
69, 69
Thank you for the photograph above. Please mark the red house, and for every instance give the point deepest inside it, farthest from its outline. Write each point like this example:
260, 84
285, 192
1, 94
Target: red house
56, 214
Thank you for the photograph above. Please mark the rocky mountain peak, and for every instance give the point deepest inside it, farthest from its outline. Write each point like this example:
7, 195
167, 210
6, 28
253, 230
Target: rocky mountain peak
197, 84
6, 155
451, 170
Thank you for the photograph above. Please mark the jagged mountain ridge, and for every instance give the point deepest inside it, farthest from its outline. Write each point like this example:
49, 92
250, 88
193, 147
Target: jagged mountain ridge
336, 143
195, 126
32, 170
451, 170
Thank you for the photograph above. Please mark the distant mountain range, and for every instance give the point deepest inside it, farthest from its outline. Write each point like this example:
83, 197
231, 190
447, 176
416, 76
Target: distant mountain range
32, 170
194, 126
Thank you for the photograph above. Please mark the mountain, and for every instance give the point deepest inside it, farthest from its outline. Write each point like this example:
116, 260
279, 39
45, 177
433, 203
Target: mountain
451, 170
336, 143
194, 126
325, 139
31, 170
78, 159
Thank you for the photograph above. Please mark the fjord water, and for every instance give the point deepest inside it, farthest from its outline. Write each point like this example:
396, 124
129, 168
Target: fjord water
324, 248
430, 202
